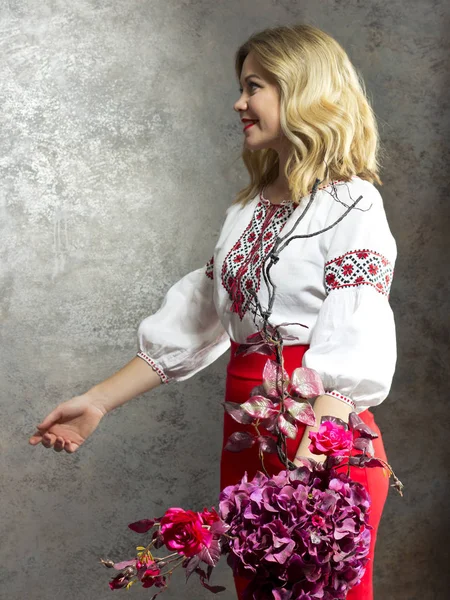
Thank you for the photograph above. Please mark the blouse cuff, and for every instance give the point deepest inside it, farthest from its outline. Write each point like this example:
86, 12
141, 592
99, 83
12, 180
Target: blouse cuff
154, 365
341, 397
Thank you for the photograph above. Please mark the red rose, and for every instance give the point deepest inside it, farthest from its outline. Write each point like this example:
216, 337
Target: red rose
183, 531
331, 439
120, 581
209, 517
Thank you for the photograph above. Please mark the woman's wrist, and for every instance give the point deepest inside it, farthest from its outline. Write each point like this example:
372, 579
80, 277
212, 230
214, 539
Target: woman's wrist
134, 379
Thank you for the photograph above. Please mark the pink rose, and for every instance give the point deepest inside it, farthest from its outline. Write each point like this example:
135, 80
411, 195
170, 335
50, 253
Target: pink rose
183, 531
331, 439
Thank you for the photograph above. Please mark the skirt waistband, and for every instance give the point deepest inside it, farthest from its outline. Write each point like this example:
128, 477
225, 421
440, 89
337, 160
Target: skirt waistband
251, 366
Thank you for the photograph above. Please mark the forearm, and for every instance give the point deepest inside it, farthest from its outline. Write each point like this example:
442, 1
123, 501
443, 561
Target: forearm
133, 379
323, 406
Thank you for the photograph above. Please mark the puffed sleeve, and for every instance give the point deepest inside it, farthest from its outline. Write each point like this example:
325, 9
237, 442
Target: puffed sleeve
185, 335
353, 343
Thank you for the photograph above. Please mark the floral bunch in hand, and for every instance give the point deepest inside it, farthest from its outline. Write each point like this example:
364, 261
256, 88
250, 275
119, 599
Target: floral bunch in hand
302, 534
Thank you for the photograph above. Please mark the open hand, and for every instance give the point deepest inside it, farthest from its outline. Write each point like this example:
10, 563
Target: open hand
68, 425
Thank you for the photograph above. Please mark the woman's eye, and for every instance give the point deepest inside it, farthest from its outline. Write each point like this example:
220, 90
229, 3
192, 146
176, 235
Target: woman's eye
250, 84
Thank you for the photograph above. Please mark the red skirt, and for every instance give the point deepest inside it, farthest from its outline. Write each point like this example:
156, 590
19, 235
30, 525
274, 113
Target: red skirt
244, 373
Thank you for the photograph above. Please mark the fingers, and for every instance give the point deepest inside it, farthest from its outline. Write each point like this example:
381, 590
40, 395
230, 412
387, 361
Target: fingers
48, 440
59, 444
35, 439
70, 447
50, 419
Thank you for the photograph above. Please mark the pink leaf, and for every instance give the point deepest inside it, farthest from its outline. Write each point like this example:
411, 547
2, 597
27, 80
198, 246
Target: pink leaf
301, 411
124, 564
235, 411
273, 377
239, 440
259, 407
287, 428
306, 383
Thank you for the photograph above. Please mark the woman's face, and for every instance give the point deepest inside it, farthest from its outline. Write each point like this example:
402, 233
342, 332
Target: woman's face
260, 102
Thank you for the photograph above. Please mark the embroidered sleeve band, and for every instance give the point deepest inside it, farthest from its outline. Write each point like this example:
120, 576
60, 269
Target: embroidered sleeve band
339, 396
359, 267
154, 366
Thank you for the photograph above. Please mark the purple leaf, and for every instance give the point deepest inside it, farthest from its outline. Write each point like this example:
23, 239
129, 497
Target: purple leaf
281, 594
142, 526
335, 420
301, 411
368, 461
273, 377
215, 589
203, 577
239, 440
285, 337
254, 338
219, 527
334, 460
124, 564
303, 469
365, 461
271, 424
158, 539
191, 565
235, 411
267, 444
211, 555
357, 424
286, 427
259, 407
158, 593
365, 445
260, 348
306, 383
258, 390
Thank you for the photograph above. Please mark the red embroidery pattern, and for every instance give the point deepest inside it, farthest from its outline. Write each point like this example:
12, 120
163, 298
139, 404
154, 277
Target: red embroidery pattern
339, 396
209, 271
154, 366
359, 267
241, 269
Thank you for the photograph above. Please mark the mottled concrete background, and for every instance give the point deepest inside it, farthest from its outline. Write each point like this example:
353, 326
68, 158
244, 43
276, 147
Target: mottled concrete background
119, 154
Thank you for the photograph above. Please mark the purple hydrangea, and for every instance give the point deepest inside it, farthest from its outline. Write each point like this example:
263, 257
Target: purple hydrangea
300, 535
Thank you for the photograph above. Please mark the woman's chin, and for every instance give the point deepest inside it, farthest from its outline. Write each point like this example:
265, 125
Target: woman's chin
255, 144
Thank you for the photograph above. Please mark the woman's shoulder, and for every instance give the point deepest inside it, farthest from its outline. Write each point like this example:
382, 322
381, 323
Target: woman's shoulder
358, 191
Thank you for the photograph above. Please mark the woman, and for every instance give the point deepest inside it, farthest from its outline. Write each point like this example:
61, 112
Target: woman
305, 118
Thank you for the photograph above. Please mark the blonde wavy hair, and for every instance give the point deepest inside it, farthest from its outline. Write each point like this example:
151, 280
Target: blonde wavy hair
324, 112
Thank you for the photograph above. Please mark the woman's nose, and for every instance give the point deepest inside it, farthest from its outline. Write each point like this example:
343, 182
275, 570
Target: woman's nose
240, 104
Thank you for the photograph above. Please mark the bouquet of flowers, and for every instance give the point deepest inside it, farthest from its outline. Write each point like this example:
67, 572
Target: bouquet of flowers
302, 534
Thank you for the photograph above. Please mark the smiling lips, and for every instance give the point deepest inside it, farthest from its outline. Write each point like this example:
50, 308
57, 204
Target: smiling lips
250, 124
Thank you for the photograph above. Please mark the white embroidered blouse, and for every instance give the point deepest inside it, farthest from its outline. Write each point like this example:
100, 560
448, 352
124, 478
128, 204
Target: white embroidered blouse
336, 283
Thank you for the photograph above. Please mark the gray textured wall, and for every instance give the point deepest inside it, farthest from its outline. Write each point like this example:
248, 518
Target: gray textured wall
118, 155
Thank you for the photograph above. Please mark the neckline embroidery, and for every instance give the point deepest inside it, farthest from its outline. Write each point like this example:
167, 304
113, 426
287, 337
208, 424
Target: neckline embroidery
241, 269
